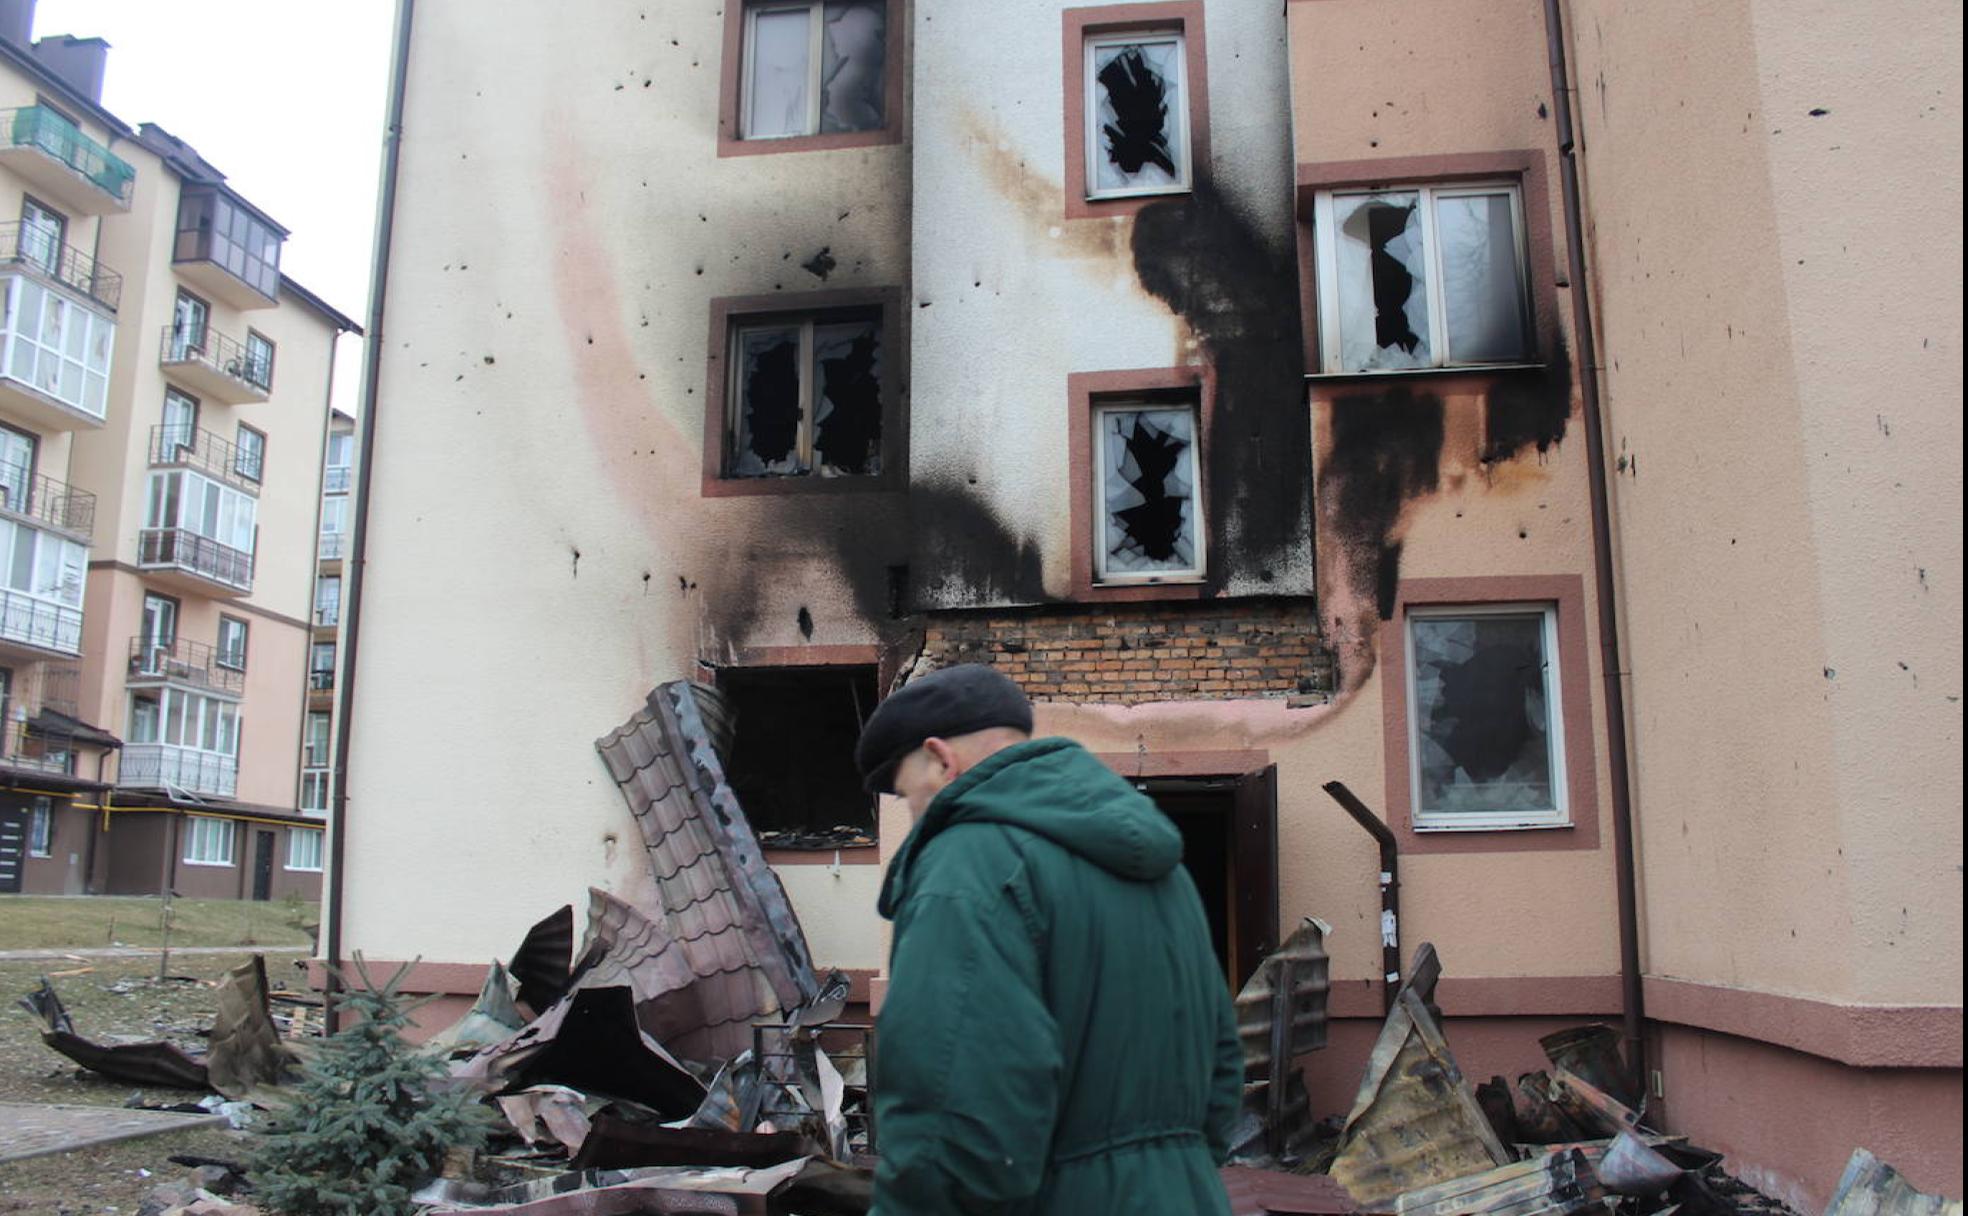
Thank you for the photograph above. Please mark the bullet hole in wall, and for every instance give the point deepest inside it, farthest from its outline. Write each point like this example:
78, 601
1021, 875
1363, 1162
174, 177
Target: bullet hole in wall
805, 622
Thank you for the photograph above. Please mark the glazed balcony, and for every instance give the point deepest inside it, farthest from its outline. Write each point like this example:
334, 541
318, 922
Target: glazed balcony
164, 766
226, 249
55, 345
314, 791
63, 165
188, 447
184, 664
35, 250
208, 364
187, 561
335, 480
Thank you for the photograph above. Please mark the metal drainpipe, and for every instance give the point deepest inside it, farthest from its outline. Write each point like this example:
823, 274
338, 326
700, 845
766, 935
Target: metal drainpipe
1633, 1009
1390, 888
359, 531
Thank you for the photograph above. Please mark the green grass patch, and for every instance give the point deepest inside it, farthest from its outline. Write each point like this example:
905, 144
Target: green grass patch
29, 922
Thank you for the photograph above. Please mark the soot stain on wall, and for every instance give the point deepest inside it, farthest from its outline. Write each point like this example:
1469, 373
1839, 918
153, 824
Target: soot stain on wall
1238, 292
1386, 450
1529, 408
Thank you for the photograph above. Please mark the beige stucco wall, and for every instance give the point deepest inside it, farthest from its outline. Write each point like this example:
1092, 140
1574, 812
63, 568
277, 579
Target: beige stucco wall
1780, 298
540, 556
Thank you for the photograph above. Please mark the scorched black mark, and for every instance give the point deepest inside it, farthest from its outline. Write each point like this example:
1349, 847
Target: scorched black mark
1139, 133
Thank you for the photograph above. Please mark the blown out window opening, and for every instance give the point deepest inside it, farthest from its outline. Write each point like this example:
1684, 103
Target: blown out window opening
1137, 115
1486, 737
814, 68
1146, 490
1415, 277
806, 396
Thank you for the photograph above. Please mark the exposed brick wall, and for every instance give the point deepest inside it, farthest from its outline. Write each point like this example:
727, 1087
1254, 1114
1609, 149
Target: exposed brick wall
1131, 653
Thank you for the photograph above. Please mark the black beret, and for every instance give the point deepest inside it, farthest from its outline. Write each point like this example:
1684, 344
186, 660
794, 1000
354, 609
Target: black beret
953, 701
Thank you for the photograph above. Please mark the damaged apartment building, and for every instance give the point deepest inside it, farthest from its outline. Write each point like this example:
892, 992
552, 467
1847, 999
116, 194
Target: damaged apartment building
1309, 405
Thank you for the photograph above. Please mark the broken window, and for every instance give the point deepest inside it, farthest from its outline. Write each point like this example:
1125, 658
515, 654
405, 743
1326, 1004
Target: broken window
806, 396
1137, 115
1486, 734
792, 753
1428, 276
1150, 517
814, 68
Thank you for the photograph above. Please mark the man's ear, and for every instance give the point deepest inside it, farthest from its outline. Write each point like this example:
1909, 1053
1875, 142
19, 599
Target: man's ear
945, 755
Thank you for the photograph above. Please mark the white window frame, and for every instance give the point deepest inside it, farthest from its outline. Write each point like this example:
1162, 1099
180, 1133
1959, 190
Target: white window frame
1326, 251
816, 34
41, 828
1451, 821
1101, 578
806, 322
1090, 120
294, 837
203, 831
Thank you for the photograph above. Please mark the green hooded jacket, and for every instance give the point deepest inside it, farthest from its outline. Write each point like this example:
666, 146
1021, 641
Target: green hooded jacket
1057, 1035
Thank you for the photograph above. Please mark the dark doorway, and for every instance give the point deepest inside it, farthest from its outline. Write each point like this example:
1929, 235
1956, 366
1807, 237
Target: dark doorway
13, 849
1229, 846
262, 865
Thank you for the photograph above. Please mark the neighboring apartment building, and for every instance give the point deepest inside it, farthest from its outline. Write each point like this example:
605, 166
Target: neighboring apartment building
318, 729
1210, 370
164, 394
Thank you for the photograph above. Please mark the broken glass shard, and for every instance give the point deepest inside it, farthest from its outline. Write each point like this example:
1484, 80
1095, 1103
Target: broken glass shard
1137, 109
1148, 478
847, 411
1481, 699
1383, 282
1482, 288
776, 97
767, 439
852, 54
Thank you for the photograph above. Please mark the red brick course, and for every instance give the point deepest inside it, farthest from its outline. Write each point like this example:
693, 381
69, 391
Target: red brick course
1134, 653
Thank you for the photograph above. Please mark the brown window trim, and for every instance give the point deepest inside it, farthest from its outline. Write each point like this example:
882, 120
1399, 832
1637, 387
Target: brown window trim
1084, 391
260, 479
732, 83
1526, 165
1567, 591
1183, 16
245, 636
273, 352
725, 311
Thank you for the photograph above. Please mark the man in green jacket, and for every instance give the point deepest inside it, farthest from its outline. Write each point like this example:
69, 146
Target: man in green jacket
1057, 1035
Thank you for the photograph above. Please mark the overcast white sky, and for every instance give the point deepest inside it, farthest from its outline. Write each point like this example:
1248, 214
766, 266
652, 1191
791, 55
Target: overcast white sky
286, 97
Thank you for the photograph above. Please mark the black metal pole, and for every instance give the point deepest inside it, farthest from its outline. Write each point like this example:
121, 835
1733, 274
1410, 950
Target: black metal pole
1633, 1012
1390, 888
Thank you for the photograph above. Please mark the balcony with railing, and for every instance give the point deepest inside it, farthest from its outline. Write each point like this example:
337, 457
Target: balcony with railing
335, 480
165, 766
211, 365
186, 664
217, 567
183, 446
332, 546
227, 248
33, 625
38, 251
64, 165
40, 501
25, 746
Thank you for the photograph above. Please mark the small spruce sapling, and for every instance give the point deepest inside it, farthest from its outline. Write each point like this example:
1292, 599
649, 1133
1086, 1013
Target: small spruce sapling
371, 1121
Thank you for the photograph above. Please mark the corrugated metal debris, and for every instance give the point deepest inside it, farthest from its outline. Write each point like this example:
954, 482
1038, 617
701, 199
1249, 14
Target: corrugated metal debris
1870, 1187
149, 1063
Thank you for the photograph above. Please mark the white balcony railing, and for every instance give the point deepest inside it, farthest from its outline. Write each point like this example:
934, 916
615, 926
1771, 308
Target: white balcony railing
165, 766
29, 621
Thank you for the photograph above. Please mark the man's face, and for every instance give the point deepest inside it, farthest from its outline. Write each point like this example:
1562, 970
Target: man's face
924, 772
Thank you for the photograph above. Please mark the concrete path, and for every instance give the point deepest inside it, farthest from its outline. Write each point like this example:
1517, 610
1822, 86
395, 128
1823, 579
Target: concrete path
35, 1130
88, 952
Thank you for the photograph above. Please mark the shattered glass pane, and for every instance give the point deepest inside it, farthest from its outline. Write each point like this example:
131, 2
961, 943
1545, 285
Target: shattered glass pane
1483, 727
1383, 282
851, 57
777, 104
1137, 108
1482, 288
768, 390
1147, 485
847, 408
